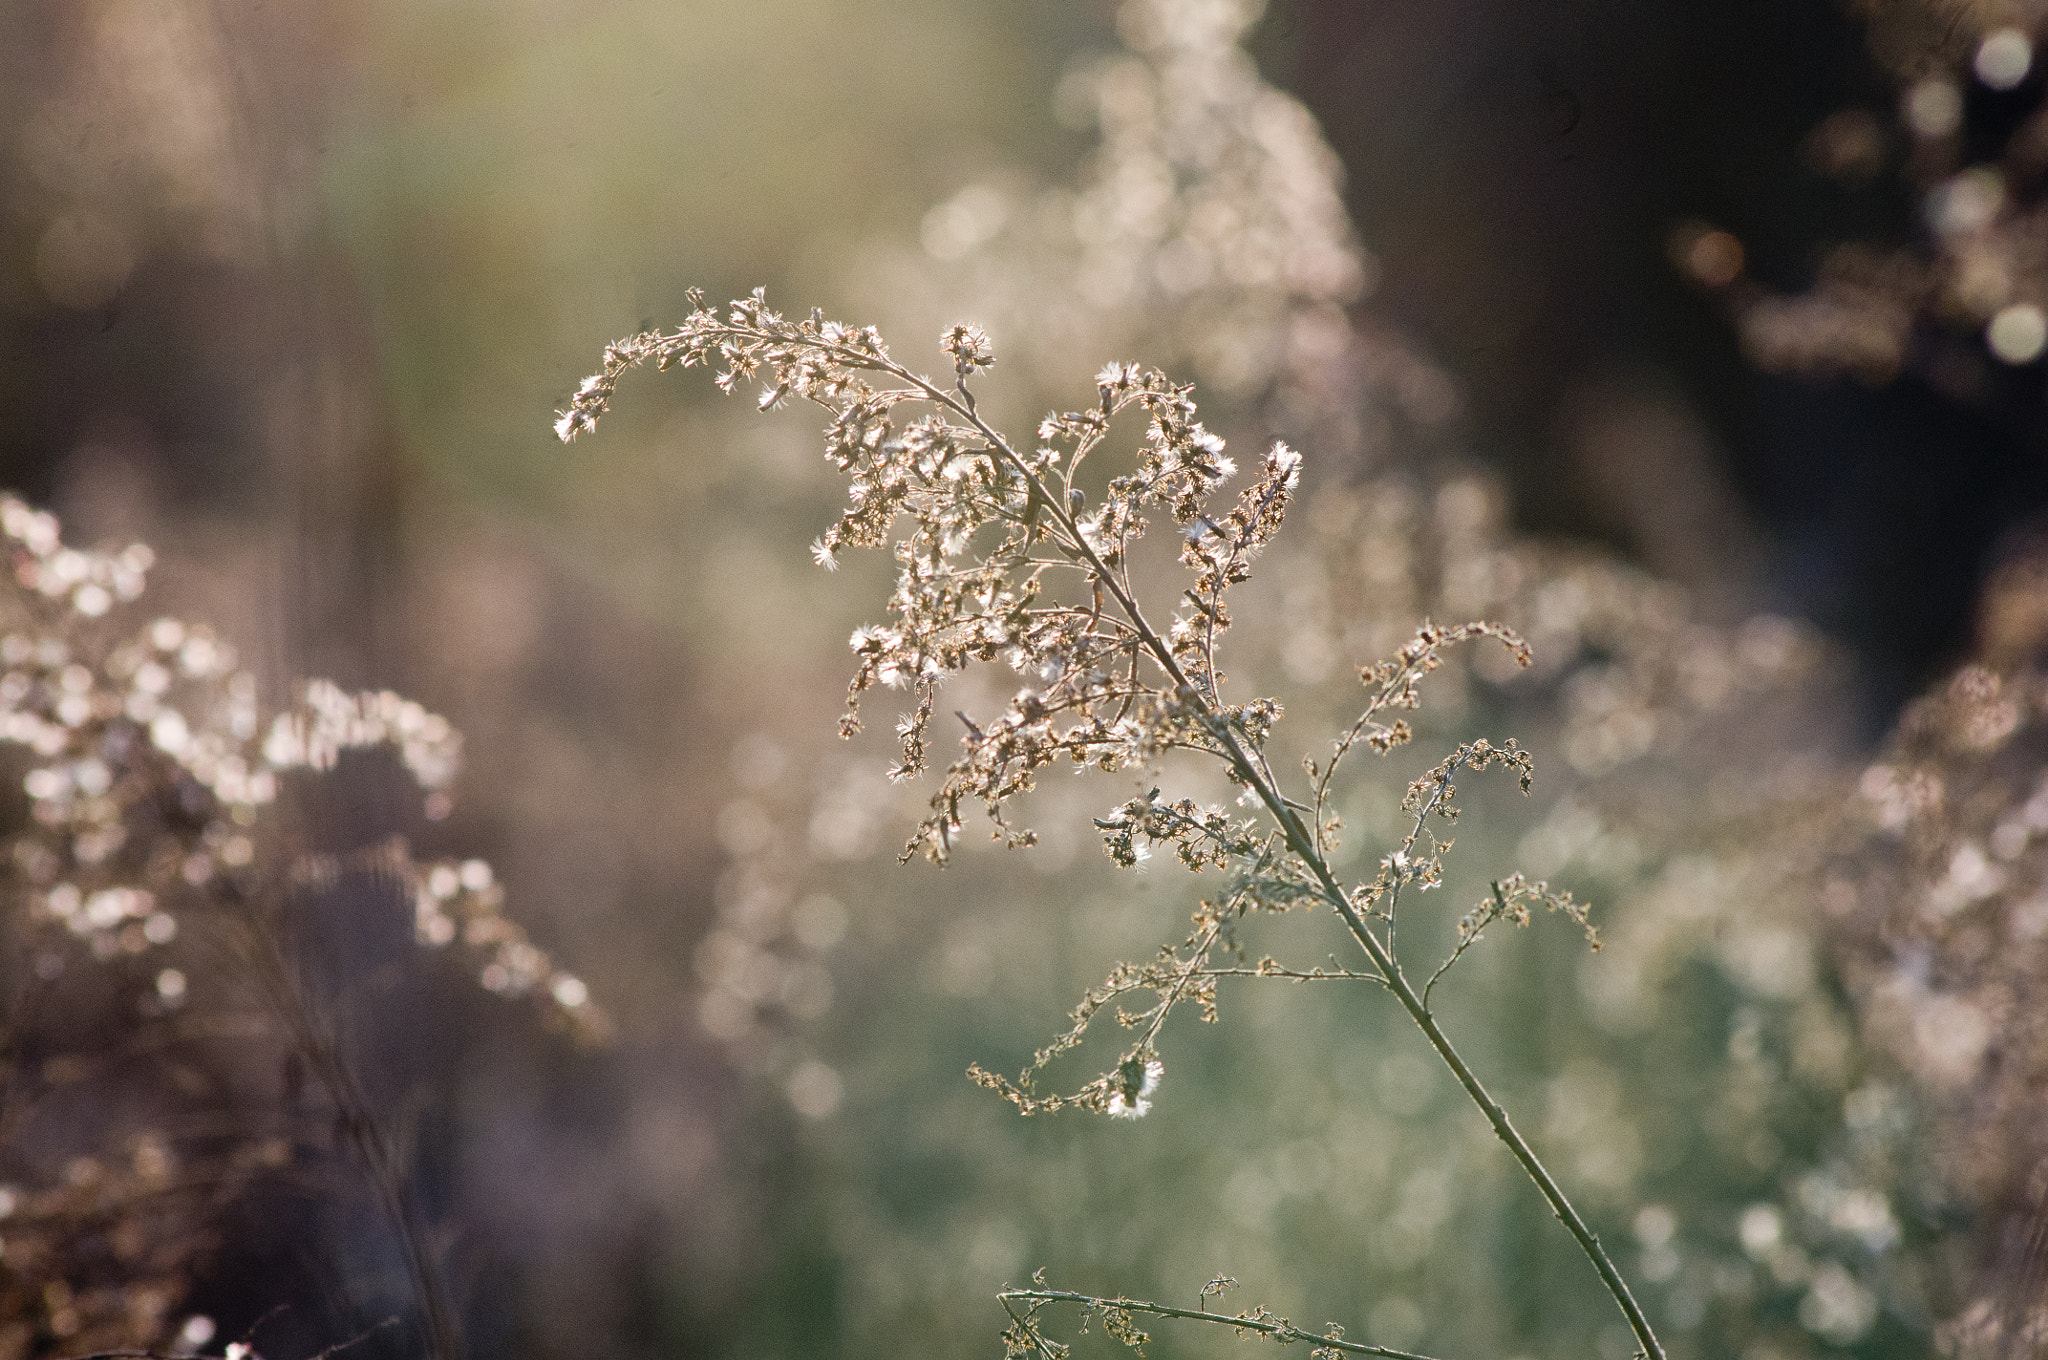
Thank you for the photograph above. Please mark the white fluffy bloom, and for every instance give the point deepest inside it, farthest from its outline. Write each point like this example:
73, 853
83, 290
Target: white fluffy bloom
1287, 462
1123, 1105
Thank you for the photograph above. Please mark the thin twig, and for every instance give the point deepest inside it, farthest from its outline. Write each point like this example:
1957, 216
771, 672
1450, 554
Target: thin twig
1470, 938
1297, 974
1261, 1322
336, 1349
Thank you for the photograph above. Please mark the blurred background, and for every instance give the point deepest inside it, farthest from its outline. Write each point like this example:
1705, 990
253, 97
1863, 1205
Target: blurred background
1699, 341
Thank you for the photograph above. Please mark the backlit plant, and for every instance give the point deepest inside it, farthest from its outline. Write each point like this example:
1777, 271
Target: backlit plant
1007, 557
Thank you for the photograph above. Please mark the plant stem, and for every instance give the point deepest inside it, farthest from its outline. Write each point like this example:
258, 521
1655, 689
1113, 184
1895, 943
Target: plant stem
1278, 1328
379, 1159
1304, 846
1251, 771
1397, 982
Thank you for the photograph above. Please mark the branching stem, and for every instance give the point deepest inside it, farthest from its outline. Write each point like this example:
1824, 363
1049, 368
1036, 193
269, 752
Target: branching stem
1108, 574
1261, 1322
1303, 843
1500, 906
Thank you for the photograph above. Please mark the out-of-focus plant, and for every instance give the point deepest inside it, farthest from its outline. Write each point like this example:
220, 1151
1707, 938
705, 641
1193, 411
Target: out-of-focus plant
171, 942
1969, 140
1937, 890
1926, 866
1005, 560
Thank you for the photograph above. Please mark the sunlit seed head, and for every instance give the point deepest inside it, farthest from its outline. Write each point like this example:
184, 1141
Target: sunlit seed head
2004, 58
2018, 333
1133, 1097
1933, 108
1968, 202
1761, 1227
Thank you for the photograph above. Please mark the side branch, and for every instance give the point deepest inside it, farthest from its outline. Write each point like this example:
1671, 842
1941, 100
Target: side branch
1299, 840
1253, 775
1259, 1320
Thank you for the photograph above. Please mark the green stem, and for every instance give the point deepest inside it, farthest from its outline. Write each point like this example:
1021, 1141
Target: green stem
1503, 1128
1253, 775
1303, 844
1278, 1328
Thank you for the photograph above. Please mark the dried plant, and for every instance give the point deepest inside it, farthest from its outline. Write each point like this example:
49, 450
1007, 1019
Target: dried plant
1937, 884
1207, 228
1006, 557
164, 914
1246, 274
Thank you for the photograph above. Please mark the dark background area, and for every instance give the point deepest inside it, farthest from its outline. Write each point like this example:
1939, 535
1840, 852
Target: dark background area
1517, 174
1519, 171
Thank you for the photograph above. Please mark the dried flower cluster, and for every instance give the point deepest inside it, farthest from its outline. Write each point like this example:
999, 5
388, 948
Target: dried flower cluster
1199, 158
1109, 693
155, 776
105, 1254
157, 884
1003, 558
